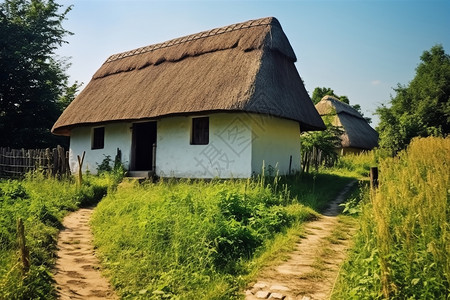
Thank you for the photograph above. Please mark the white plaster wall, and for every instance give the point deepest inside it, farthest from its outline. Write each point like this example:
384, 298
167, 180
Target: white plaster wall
274, 141
117, 135
238, 145
228, 154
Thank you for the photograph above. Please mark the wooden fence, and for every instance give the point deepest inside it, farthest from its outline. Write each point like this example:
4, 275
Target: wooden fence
17, 162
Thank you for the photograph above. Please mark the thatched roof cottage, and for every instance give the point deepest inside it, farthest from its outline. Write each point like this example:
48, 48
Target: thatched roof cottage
217, 103
358, 135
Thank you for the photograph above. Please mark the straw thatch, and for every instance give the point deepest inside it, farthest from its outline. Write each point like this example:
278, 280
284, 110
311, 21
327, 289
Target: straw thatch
357, 132
245, 67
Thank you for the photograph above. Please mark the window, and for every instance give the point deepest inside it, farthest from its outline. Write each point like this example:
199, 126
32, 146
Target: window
98, 138
200, 131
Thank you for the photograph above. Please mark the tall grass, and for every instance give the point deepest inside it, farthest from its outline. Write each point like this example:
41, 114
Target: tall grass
41, 203
403, 249
195, 239
358, 164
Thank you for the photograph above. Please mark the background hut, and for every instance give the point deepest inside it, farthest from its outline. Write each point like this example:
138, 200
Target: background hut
358, 134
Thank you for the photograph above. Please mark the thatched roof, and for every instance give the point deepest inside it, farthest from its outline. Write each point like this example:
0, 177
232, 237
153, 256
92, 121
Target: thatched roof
357, 132
246, 67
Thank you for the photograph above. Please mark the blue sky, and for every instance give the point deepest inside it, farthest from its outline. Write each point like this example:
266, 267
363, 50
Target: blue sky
361, 49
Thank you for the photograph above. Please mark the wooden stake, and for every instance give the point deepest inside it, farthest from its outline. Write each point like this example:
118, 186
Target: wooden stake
24, 254
373, 177
80, 169
290, 164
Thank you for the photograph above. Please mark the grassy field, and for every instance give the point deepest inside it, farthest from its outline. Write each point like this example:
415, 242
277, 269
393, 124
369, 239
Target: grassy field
200, 240
172, 239
41, 203
402, 250
185, 239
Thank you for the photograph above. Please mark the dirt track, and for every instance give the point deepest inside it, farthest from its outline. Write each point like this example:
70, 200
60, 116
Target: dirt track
311, 269
77, 270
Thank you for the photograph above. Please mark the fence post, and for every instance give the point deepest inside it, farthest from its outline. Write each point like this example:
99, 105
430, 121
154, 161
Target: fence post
66, 163
290, 164
373, 177
24, 254
80, 169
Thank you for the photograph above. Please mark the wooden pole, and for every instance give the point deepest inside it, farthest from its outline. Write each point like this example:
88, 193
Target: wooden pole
290, 164
373, 177
24, 254
80, 169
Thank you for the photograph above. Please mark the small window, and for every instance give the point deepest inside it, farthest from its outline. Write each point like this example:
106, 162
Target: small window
98, 138
200, 131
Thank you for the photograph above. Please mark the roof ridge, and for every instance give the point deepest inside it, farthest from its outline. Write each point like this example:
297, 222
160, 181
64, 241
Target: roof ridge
196, 36
349, 109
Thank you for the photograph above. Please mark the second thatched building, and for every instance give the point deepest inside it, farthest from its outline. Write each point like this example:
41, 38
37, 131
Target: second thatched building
358, 135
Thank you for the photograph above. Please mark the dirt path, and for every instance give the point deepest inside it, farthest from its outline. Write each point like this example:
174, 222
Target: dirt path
311, 269
77, 270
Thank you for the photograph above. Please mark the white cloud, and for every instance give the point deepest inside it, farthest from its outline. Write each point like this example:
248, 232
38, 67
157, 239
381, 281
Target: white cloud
375, 82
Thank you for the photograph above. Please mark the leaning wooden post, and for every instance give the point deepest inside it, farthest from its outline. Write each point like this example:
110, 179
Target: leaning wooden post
48, 158
80, 169
373, 177
24, 254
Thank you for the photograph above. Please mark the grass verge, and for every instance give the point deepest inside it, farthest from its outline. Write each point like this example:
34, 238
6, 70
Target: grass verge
41, 203
402, 250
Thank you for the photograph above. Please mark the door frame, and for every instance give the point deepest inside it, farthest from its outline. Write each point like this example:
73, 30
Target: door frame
143, 143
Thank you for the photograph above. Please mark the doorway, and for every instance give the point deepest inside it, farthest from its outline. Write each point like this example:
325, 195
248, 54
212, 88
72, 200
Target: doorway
143, 139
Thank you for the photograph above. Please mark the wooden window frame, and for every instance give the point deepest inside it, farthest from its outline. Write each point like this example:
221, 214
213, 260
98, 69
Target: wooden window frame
98, 138
200, 131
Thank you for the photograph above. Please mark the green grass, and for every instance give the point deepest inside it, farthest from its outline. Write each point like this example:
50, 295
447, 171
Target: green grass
402, 250
41, 203
186, 239
173, 239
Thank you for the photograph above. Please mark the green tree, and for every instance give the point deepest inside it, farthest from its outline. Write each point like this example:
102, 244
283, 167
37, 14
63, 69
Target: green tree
320, 92
32, 80
68, 95
422, 108
344, 99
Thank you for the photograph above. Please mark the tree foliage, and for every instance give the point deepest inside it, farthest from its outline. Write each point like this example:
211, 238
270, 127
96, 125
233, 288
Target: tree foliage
319, 147
32, 79
422, 108
320, 92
